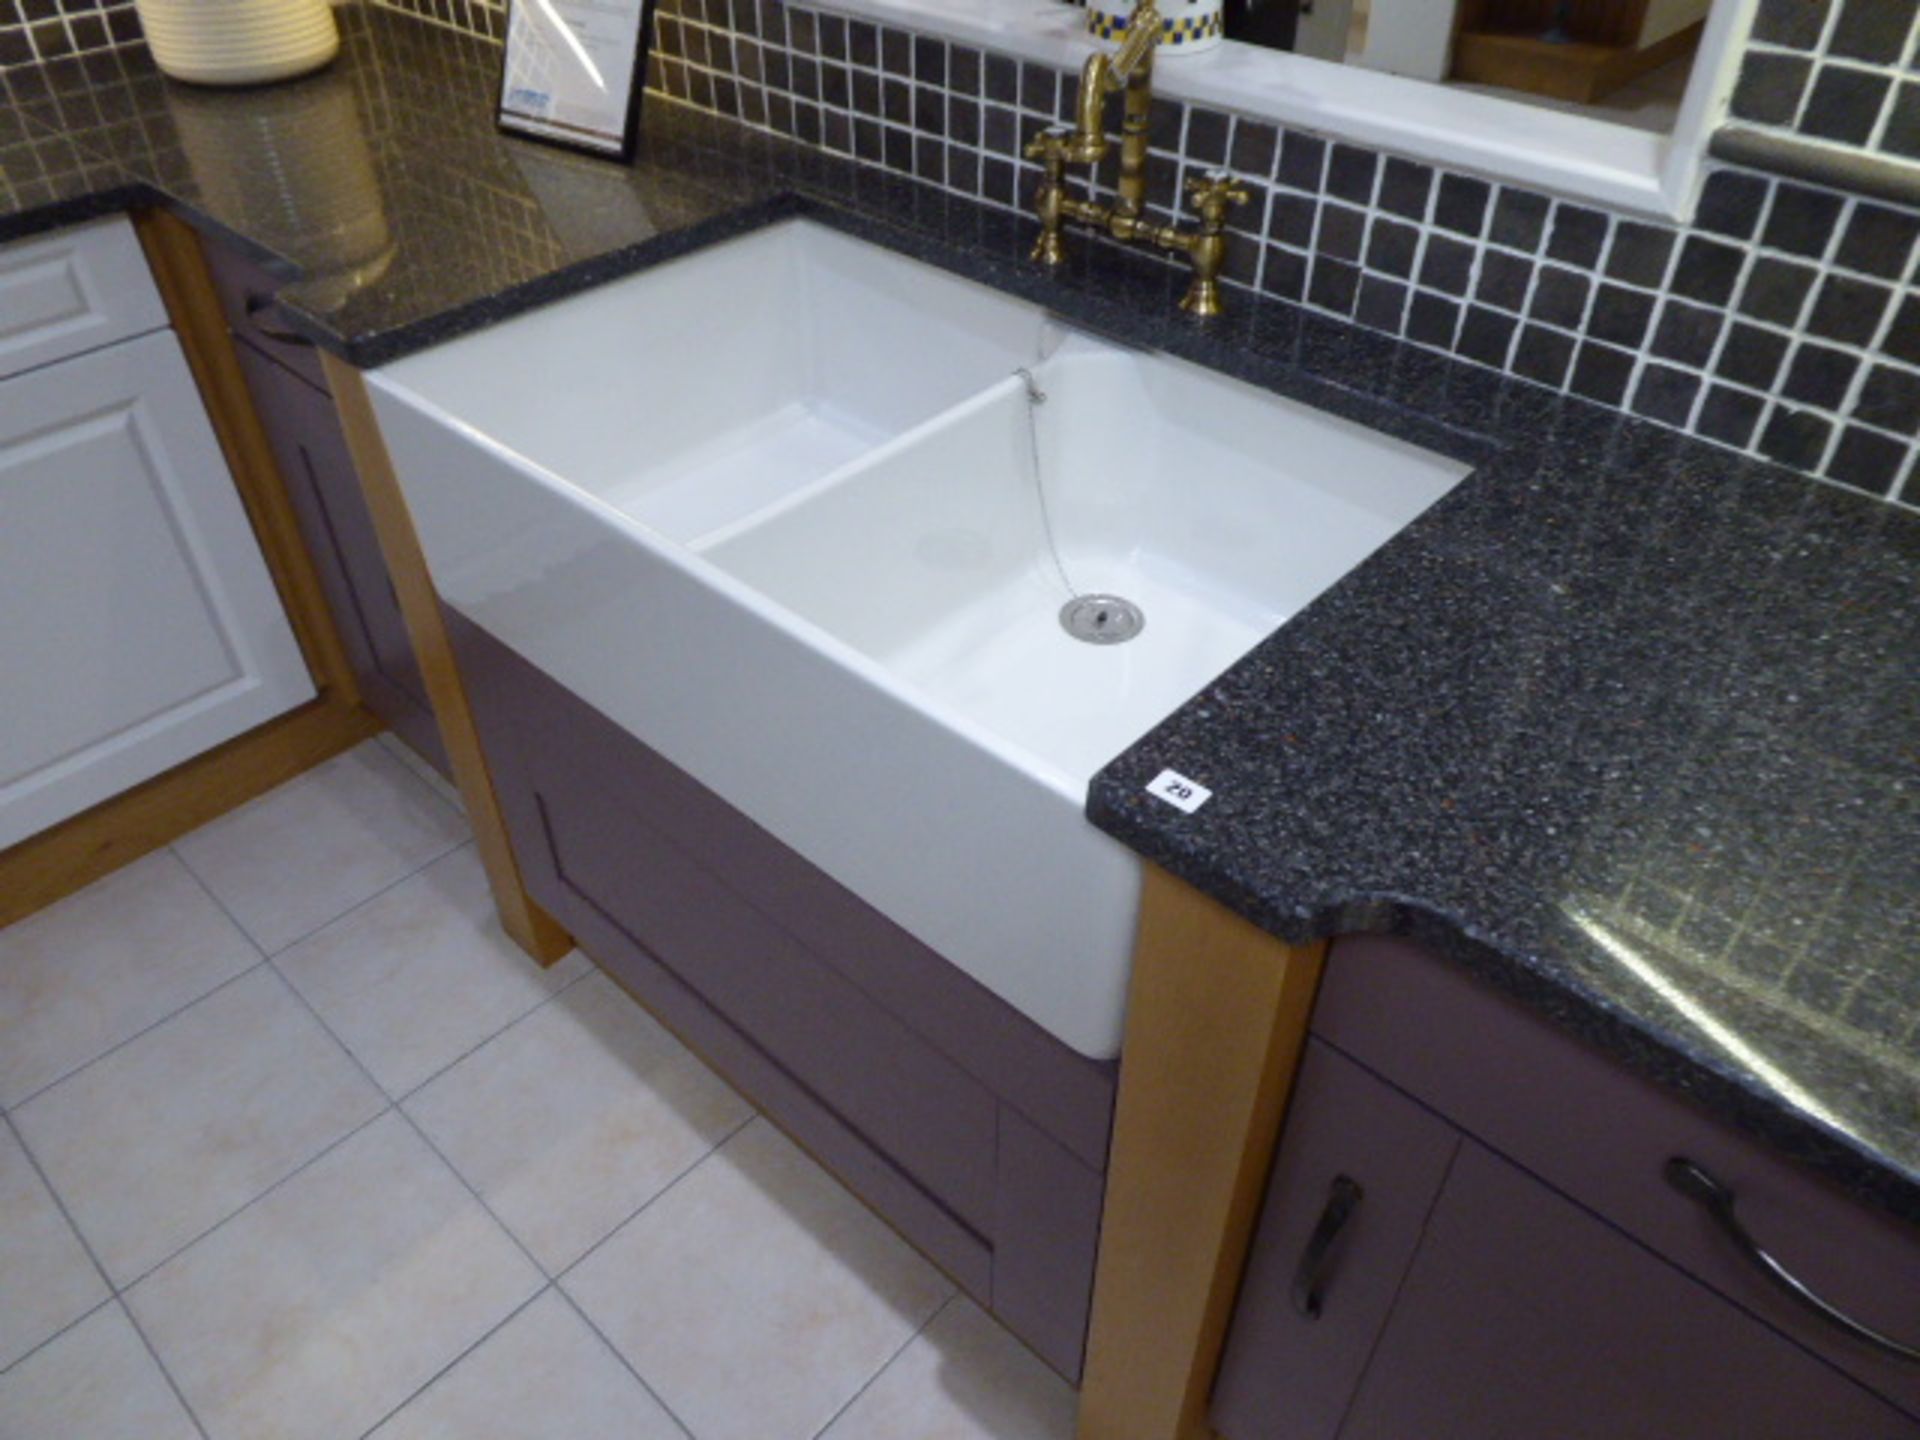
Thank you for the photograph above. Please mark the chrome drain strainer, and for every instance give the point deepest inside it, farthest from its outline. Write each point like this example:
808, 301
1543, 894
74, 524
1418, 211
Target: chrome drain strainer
1101, 619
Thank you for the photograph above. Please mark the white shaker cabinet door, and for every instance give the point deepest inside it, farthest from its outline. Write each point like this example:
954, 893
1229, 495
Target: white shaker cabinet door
74, 290
138, 623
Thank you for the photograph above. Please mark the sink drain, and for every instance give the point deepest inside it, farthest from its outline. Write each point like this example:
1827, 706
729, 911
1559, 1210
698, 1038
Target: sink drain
1101, 619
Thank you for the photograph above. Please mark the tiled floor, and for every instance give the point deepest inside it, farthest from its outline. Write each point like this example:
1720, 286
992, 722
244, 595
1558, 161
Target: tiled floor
296, 1144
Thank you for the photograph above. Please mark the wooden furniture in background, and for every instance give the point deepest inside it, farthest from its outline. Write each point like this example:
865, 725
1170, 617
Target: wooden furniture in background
1499, 42
531, 927
1216, 1017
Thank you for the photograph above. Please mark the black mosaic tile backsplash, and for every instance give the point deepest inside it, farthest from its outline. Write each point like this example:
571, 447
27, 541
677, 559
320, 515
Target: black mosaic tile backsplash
485, 18
35, 30
1842, 71
1784, 321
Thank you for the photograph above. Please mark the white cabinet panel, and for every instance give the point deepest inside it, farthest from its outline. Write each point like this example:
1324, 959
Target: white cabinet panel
138, 623
72, 291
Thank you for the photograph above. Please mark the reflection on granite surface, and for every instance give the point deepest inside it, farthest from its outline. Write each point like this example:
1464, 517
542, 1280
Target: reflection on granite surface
1644, 756
1628, 724
52, 179
296, 172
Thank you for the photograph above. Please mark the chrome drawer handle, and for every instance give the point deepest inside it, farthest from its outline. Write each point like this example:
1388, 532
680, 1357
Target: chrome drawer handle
1695, 1183
1343, 1198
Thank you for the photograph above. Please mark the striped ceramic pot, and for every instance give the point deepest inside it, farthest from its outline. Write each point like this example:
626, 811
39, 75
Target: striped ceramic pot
1186, 26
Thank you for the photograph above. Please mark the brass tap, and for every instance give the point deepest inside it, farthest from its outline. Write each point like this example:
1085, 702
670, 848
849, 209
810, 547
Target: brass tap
1085, 143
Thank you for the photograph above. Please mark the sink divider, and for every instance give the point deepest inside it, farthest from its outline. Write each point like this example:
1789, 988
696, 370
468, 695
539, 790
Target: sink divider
860, 465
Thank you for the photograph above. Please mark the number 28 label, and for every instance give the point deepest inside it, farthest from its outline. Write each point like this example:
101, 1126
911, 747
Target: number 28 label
1178, 791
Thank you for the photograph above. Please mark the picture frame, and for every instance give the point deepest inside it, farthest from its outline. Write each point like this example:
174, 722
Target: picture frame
572, 73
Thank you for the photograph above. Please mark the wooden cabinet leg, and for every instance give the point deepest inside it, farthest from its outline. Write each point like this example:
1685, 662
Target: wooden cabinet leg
1217, 1015
531, 927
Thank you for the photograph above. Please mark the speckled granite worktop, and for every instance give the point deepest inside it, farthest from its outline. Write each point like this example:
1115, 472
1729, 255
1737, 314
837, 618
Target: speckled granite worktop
1627, 724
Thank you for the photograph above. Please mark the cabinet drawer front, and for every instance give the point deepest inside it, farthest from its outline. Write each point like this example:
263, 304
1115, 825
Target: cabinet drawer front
1285, 1376
1524, 1316
1603, 1135
247, 292
73, 291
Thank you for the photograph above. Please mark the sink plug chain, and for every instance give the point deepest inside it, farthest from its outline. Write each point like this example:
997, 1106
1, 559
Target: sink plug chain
1096, 619
1036, 397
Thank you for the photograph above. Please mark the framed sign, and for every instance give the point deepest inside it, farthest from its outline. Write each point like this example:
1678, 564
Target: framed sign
574, 70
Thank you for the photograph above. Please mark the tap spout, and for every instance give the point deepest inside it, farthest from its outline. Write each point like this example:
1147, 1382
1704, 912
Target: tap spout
1130, 67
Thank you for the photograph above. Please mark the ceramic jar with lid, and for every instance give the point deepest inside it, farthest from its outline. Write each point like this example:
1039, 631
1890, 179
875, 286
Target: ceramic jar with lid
239, 42
1186, 26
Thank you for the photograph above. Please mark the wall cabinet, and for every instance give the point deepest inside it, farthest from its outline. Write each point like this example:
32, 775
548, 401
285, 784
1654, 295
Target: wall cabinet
1467, 1233
303, 428
142, 625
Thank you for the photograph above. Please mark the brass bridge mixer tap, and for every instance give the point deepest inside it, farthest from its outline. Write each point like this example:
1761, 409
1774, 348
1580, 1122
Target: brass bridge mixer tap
1085, 143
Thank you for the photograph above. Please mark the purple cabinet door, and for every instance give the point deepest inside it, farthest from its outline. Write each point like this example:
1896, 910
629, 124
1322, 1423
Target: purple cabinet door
1591, 1129
930, 1097
304, 431
1286, 1375
1524, 1316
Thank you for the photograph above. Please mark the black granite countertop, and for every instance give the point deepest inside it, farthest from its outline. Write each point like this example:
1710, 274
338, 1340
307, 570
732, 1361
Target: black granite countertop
1628, 724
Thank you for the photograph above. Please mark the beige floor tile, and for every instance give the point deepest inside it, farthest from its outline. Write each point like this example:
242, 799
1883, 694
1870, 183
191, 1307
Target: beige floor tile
309, 851
175, 1131
96, 1382
757, 1296
574, 1118
45, 1276
544, 1375
80, 977
962, 1378
410, 758
414, 979
316, 1312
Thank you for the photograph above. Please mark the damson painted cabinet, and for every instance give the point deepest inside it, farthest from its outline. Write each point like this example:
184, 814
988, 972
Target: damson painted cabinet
1467, 1234
975, 1133
303, 429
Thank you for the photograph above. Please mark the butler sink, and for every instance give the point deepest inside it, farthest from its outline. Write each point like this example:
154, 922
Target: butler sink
804, 516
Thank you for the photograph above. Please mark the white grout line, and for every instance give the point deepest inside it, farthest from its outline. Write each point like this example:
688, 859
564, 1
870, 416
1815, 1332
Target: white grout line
1818, 57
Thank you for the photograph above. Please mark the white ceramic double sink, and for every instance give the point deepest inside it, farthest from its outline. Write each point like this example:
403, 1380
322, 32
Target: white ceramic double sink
774, 508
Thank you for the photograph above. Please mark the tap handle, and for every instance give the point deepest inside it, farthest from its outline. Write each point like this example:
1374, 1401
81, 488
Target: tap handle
1212, 193
1050, 144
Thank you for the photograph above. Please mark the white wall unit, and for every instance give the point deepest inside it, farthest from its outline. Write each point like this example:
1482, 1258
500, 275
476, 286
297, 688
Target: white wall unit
1565, 154
139, 625
71, 291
